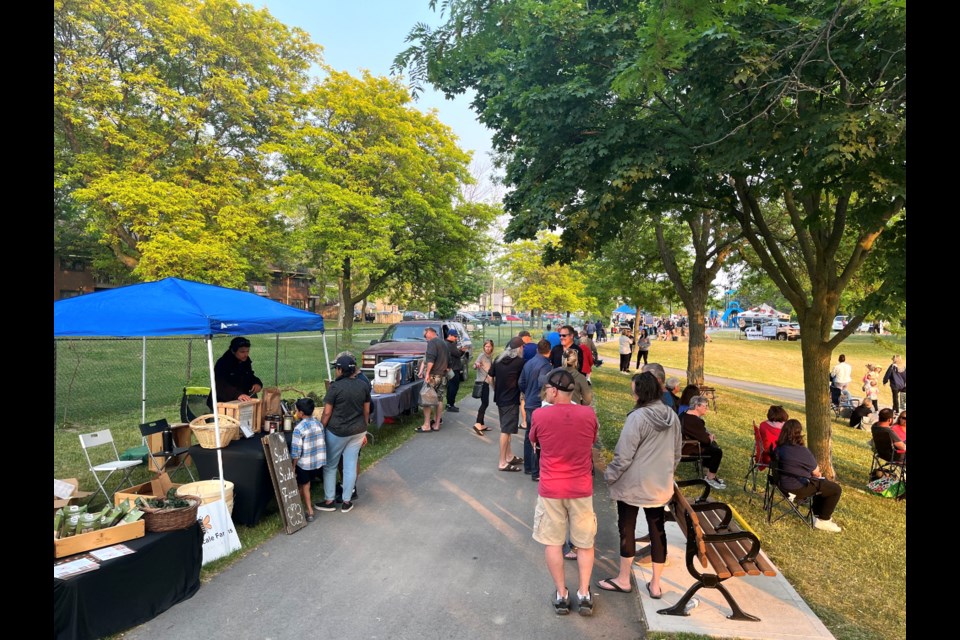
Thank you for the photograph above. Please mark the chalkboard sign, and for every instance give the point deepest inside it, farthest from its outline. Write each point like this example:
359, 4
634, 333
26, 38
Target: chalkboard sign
284, 482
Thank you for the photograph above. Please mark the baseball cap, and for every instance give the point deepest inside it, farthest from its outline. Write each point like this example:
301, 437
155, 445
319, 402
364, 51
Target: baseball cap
561, 379
454, 333
345, 362
515, 342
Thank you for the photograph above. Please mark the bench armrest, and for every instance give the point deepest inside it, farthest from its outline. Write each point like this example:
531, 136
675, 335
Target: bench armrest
694, 482
737, 535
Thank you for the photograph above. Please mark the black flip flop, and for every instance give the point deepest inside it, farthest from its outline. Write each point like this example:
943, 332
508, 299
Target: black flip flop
651, 593
479, 432
607, 584
422, 430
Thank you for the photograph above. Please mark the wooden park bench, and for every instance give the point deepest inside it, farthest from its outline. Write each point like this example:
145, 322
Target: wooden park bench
719, 543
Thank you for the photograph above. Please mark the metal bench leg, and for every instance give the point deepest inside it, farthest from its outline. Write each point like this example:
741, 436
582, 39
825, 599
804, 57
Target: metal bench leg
738, 613
680, 609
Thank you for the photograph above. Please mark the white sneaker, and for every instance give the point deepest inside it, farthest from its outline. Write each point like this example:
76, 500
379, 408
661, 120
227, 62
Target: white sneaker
716, 483
826, 525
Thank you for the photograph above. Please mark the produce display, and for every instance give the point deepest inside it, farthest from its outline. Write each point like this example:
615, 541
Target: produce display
74, 519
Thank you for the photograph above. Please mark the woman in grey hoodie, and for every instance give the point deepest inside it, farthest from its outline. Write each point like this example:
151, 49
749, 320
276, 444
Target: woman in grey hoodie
641, 475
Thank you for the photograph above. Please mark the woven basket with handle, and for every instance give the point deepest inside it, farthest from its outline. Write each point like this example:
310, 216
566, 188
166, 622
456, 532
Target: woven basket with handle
205, 430
171, 519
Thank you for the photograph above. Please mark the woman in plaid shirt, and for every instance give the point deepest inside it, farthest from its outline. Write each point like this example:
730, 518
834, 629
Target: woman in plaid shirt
308, 450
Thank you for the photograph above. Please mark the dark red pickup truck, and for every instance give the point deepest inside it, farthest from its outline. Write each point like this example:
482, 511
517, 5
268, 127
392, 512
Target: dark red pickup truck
406, 339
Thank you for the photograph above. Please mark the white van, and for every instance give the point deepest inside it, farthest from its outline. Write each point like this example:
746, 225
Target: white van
840, 322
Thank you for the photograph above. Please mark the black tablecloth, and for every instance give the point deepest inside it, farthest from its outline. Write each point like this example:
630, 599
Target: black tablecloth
245, 465
384, 405
131, 589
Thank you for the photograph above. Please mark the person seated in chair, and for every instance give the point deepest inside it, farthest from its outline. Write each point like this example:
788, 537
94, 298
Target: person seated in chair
860, 417
882, 430
800, 475
900, 426
688, 392
694, 428
770, 430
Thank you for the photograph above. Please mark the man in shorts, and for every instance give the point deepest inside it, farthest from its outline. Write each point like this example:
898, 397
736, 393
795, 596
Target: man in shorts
505, 372
566, 433
434, 374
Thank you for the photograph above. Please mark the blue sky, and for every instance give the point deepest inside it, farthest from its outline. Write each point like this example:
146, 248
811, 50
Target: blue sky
368, 34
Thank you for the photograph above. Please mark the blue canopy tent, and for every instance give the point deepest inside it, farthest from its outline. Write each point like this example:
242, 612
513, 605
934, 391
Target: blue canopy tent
174, 307
624, 308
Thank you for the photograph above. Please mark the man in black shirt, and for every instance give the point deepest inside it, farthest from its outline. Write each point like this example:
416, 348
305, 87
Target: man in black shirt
434, 374
567, 337
455, 361
505, 372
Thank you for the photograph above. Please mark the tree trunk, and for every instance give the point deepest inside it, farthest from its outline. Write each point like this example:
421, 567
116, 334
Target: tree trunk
346, 299
816, 383
696, 331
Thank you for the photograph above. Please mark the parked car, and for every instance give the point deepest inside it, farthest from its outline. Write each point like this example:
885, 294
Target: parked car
840, 322
466, 317
369, 316
512, 318
406, 339
781, 330
414, 315
490, 317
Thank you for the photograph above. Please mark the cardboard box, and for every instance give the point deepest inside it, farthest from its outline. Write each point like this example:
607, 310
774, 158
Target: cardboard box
74, 498
249, 413
156, 488
97, 539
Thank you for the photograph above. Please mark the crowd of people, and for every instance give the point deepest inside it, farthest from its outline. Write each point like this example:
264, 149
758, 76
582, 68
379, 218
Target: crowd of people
544, 387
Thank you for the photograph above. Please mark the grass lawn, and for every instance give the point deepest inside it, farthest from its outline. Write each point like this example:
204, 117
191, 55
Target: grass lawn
837, 575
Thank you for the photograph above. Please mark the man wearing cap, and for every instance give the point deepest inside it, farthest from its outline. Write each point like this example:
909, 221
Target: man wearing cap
346, 412
529, 346
532, 377
433, 370
565, 433
455, 360
505, 372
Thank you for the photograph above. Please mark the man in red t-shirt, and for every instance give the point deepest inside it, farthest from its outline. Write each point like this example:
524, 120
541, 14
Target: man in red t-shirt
566, 433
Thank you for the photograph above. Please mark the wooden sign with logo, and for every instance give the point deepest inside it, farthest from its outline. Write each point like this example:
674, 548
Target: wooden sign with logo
284, 482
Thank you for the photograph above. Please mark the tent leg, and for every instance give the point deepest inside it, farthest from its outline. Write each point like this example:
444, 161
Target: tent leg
326, 356
216, 430
143, 383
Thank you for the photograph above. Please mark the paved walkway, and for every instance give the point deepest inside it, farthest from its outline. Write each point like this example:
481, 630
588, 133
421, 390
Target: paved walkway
439, 546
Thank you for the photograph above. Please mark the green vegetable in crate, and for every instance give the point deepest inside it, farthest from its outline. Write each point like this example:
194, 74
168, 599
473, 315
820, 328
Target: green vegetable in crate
132, 516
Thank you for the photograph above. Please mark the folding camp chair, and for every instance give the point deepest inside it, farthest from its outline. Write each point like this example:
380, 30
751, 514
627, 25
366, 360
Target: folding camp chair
193, 403
110, 466
776, 498
161, 461
756, 463
886, 460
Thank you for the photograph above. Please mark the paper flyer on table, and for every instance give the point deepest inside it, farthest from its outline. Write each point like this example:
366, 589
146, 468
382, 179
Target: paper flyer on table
74, 567
108, 553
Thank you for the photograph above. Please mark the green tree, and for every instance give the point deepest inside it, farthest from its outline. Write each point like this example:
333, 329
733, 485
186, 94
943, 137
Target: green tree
372, 184
787, 119
540, 287
161, 108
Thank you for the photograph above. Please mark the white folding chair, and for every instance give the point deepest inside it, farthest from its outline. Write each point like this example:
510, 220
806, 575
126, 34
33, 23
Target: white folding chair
101, 438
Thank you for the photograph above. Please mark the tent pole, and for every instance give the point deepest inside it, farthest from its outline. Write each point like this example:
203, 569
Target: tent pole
143, 384
216, 430
326, 355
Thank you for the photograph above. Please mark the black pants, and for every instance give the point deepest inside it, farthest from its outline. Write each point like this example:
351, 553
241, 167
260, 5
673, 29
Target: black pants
625, 361
712, 455
835, 395
627, 524
826, 498
640, 354
453, 386
484, 402
896, 399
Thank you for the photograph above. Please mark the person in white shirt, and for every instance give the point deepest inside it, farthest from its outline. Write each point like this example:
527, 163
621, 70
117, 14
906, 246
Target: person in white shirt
840, 376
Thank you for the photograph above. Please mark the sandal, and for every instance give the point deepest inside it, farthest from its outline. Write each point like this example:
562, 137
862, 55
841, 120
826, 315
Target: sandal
516, 460
509, 467
420, 429
571, 555
477, 431
607, 584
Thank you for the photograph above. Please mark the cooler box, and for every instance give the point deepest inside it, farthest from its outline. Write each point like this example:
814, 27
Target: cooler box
408, 370
387, 376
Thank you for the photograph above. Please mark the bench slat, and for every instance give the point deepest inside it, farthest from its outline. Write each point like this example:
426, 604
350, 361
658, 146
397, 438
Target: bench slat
760, 565
731, 552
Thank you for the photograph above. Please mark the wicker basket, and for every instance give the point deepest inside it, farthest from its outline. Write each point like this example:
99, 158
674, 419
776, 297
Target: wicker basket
171, 519
205, 430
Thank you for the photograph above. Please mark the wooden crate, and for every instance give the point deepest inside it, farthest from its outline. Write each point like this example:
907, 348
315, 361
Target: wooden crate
384, 387
98, 539
249, 413
156, 488
182, 438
